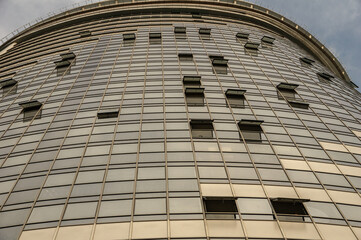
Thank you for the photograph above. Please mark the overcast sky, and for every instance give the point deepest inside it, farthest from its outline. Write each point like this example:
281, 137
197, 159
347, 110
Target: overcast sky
336, 23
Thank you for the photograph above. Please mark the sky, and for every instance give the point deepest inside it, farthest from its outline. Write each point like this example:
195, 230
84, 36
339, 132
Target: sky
335, 23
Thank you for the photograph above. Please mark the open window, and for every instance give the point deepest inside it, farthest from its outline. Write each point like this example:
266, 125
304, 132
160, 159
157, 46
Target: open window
202, 128
155, 38
64, 65
286, 91
180, 32
242, 36
205, 33
324, 77
128, 39
306, 61
289, 209
185, 57
220, 208
108, 113
85, 33
192, 81
251, 129
220, 65
195, 96
268, 39
251, 48
31, 109
235, 98
8, 86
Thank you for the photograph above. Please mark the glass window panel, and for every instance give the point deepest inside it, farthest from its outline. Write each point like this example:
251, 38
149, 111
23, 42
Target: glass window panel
80, 210
151, 173
142, 206
44, 214
212, 172
326, 210
351, 212
254, 206
185, 205
115, 208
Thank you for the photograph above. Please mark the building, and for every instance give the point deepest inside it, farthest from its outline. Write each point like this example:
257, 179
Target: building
205, 120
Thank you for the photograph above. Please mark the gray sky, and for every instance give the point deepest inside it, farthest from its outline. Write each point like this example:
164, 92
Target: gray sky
336, 23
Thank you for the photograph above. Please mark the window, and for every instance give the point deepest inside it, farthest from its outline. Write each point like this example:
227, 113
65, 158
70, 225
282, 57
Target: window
63, 66
307, 61
324, 77
298, 104
267, 39
128, 39
288, 209
220, 208
286, 91
192, 81
180, 30
219, 64
128, 36
31, 109
251, 46
195, 96
202, 128
242, 35
185, 57
9, 86
205, 31
108, 113
85, 33
251, 129
235, 98
155, 38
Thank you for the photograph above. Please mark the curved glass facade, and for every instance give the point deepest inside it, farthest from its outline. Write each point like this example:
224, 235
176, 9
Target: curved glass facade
179, 120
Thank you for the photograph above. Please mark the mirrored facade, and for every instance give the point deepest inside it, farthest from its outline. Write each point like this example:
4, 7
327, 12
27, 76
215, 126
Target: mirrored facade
176, 120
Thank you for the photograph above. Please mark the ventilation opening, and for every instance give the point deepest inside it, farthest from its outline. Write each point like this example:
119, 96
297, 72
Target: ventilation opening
251, 129
235, 98
31, 110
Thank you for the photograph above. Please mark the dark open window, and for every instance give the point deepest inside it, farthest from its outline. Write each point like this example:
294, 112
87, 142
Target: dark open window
155, 38
108, 113
287, 91
31, 109
325, 77
185, 57
128, 36
9, 86
64, 65
205, 31
220, 208
268, 39
202, 128
288, 209
220, 65
307, 61
128, 39
180, 30
251, 129
243, 36
194, 96
192, 81
251, 46
235, 98
85, 33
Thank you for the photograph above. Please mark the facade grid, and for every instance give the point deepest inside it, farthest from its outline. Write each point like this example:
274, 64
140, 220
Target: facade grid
154, 120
